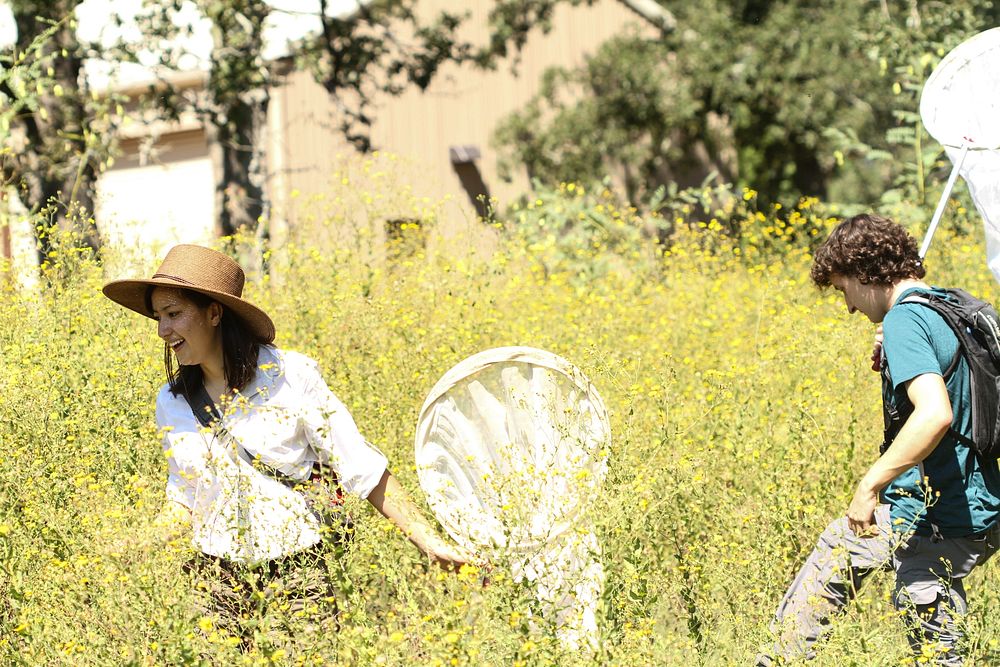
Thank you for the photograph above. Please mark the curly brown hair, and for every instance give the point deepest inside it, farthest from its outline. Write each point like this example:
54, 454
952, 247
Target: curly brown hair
873, 249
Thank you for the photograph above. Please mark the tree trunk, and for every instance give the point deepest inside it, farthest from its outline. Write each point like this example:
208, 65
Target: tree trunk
55, 169
239, 144
238, 100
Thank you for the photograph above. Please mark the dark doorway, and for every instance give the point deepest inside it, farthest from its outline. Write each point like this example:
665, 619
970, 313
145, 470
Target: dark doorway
463, 160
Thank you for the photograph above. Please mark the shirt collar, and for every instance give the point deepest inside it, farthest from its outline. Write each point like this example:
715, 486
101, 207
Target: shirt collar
911, 290
269, 369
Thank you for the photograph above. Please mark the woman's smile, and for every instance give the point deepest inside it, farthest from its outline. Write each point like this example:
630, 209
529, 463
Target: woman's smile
188, 329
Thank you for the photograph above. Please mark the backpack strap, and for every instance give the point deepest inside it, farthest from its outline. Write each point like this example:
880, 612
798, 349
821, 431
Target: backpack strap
208, 416
893, 417
923, 300
952, 366
202, 406
954, 363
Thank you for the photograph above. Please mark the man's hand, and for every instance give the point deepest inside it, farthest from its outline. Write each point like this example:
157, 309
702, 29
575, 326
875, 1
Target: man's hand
861, 513
919, 436
877, 350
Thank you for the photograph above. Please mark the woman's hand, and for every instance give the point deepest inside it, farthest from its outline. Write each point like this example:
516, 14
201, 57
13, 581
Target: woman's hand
170, 528
389, 498
448, 556
172, 523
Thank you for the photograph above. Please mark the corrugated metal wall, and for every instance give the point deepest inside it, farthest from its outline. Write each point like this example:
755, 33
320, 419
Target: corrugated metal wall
462, 107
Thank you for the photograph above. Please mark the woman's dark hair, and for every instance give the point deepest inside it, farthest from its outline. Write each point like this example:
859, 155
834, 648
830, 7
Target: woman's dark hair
239, 350
873, 249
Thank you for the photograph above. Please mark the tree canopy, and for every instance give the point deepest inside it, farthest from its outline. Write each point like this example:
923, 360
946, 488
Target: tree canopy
772, 95
56, 133
63, 133
791, 97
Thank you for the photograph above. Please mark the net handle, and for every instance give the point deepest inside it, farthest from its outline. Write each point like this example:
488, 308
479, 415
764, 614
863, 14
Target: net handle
936, 219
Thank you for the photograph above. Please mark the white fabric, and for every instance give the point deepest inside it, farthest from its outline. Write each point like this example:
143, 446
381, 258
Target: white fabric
567, 577
511, 449
288, 419
960, 104
981, 171
511, 443
961, 99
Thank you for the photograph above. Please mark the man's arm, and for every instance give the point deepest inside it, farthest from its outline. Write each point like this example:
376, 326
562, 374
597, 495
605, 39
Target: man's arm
917, 438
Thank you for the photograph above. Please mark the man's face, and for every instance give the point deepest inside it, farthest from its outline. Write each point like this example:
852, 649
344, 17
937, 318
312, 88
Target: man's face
869, 299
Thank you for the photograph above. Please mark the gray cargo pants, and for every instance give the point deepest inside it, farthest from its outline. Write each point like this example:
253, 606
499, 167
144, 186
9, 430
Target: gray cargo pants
929, 586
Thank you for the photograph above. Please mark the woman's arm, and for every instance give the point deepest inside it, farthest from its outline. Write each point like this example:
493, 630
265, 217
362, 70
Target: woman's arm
392, 501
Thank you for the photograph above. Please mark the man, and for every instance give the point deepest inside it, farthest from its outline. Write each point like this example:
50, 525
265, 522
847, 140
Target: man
929, 507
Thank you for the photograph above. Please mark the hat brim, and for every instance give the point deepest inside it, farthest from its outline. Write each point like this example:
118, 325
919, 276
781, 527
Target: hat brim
132, 295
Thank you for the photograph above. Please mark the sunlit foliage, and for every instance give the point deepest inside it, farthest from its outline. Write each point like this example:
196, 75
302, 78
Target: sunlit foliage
742, 409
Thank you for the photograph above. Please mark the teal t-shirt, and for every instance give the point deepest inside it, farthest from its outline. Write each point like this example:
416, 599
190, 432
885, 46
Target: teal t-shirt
918, 341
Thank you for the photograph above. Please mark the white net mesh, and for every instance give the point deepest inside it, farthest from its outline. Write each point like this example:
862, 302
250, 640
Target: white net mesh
510, 447
960, 106
511, 450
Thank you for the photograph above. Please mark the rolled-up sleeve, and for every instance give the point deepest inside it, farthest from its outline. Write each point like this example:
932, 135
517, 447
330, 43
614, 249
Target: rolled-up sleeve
335, 437
184, 448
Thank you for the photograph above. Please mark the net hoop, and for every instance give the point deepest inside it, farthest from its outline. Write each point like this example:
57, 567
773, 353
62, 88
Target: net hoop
511, 447
960, 102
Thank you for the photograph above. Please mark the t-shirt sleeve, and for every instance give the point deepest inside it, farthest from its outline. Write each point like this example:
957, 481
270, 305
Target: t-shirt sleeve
335, 437
907, 344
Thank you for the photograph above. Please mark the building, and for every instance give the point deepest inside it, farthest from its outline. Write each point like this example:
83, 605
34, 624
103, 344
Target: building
160, 190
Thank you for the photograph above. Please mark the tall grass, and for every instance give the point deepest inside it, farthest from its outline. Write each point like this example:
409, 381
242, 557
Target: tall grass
742, 408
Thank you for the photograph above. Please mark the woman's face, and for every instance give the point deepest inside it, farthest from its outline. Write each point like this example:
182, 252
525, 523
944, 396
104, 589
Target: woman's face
191, 331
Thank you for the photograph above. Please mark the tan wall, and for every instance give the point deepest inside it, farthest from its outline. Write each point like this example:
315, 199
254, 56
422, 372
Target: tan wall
462, 107
20, 263
152, 199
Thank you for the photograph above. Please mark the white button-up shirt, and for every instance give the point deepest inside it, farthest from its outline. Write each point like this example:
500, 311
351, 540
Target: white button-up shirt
286, 419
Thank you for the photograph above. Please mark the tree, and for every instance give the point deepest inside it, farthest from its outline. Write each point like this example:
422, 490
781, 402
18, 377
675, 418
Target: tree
383, 47
233, 104
64, 134
907, 44
628, 111
59, 136
752, 90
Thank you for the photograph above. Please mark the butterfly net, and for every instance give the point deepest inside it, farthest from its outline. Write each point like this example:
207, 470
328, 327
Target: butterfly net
960, 107
511, 449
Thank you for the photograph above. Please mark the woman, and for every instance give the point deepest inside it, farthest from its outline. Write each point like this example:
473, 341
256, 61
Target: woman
248, 426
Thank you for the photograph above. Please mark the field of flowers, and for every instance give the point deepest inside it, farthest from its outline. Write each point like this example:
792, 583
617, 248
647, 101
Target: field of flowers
742, 407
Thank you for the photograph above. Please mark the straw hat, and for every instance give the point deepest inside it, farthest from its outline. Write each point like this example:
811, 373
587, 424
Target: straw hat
201, 270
